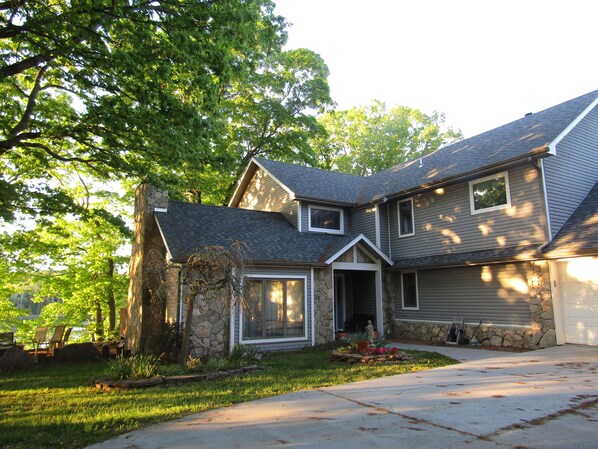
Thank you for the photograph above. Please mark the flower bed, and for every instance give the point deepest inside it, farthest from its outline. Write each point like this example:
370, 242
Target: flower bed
372, 355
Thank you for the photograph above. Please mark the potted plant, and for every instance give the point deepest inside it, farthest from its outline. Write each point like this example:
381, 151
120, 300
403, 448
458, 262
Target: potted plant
362, 341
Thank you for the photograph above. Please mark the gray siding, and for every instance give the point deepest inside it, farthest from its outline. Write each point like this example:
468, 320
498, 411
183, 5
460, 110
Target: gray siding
496, 294
363, 221
444, 223
287, 271
384, 236
305, 216
572, 173
264, 193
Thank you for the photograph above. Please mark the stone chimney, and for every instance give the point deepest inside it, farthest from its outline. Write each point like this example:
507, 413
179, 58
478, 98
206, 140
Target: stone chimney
142, 322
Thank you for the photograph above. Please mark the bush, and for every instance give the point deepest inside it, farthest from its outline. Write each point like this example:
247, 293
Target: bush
139, 366
243, 355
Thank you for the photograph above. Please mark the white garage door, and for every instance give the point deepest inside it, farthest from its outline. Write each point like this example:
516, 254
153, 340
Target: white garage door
579, 300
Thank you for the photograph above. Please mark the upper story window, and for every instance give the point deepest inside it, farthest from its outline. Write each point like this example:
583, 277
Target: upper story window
326, 219
490, 193
406, 227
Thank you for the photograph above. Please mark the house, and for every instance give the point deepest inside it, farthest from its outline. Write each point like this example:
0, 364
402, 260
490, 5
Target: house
500, 228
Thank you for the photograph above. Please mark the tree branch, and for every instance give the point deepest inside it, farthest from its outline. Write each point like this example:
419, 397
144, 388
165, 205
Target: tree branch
22, 125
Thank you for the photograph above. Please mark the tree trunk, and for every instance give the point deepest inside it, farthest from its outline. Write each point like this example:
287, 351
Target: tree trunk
111, 300
184, 355
99, 321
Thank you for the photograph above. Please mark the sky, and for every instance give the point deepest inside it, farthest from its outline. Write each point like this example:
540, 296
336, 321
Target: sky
482, 63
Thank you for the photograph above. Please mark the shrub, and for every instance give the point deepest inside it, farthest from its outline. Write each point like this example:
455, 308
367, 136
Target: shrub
243, 355
139, 366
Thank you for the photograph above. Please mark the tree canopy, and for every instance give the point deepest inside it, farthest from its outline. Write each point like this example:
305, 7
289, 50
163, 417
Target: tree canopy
364, 140
117, 89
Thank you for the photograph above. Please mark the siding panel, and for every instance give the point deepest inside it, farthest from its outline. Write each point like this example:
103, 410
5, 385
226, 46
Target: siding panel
264, 193
496, 294
444, 223
572, 173
363, 221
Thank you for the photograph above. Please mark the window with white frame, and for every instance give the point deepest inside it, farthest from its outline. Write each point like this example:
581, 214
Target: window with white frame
326, 219
406, 222
409, 290
274, 308
490, 193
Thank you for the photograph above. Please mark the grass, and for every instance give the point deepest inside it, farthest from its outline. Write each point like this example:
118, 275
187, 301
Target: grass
55, 406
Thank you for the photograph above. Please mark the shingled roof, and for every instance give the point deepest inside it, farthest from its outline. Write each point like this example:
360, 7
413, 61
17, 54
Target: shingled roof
528, 136
517, 140
579, 235
314, 184
188, 227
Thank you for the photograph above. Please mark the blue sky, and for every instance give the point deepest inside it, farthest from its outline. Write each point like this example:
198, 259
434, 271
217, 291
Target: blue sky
482, 63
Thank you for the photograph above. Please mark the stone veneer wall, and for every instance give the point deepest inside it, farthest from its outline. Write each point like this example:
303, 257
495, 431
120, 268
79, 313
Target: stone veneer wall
211, 326
140, 310
324, 302
540, 334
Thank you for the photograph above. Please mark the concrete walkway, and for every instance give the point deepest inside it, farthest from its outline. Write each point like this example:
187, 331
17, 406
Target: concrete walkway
541, 399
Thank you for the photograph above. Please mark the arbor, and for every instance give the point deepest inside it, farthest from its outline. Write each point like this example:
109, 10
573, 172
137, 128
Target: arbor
367, 139
116, 89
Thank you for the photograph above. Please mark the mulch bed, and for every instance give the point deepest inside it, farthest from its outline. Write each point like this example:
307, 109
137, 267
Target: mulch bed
349, 357
125, 384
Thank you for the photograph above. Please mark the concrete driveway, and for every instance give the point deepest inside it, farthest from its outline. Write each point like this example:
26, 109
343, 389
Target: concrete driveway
541, 399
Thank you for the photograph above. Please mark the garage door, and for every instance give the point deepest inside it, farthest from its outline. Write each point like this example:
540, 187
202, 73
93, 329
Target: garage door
579, 300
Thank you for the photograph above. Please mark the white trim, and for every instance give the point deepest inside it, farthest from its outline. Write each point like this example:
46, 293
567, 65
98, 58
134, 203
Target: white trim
267, 276
379, 301
557, 303
326, 230
377, 225
356, 240
313, 309
168, 253
403, 291
546, 206
299, 218
552, 145
355, 266
499, 175
242, 180
389, 231
399, 218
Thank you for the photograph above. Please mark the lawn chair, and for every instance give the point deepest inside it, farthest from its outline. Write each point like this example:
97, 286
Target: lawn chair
67, 335
40, 339
56, 340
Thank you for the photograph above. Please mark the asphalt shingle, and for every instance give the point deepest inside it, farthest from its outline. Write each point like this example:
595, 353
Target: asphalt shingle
579, 235
188, 227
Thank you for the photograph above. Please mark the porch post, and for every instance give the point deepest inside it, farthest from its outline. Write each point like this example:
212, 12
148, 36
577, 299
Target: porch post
379, 307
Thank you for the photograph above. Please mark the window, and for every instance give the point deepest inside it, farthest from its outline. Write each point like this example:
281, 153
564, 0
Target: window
274, 308
490, 193
326, 219
406, 227
409, 290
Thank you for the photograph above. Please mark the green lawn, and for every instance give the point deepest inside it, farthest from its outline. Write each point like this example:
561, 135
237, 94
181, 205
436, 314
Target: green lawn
55, 405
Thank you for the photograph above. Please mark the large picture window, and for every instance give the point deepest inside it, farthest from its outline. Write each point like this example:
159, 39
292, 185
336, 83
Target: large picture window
326, 219
490, 193
406, 227
409, 290
274, 308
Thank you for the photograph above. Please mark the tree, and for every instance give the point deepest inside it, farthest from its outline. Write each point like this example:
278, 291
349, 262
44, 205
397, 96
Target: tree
365, 140
76, 260
117, 89
271, 113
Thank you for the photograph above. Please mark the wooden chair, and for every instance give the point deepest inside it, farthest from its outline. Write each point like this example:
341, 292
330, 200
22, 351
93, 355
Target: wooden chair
56, 340
40, 339
67, 335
